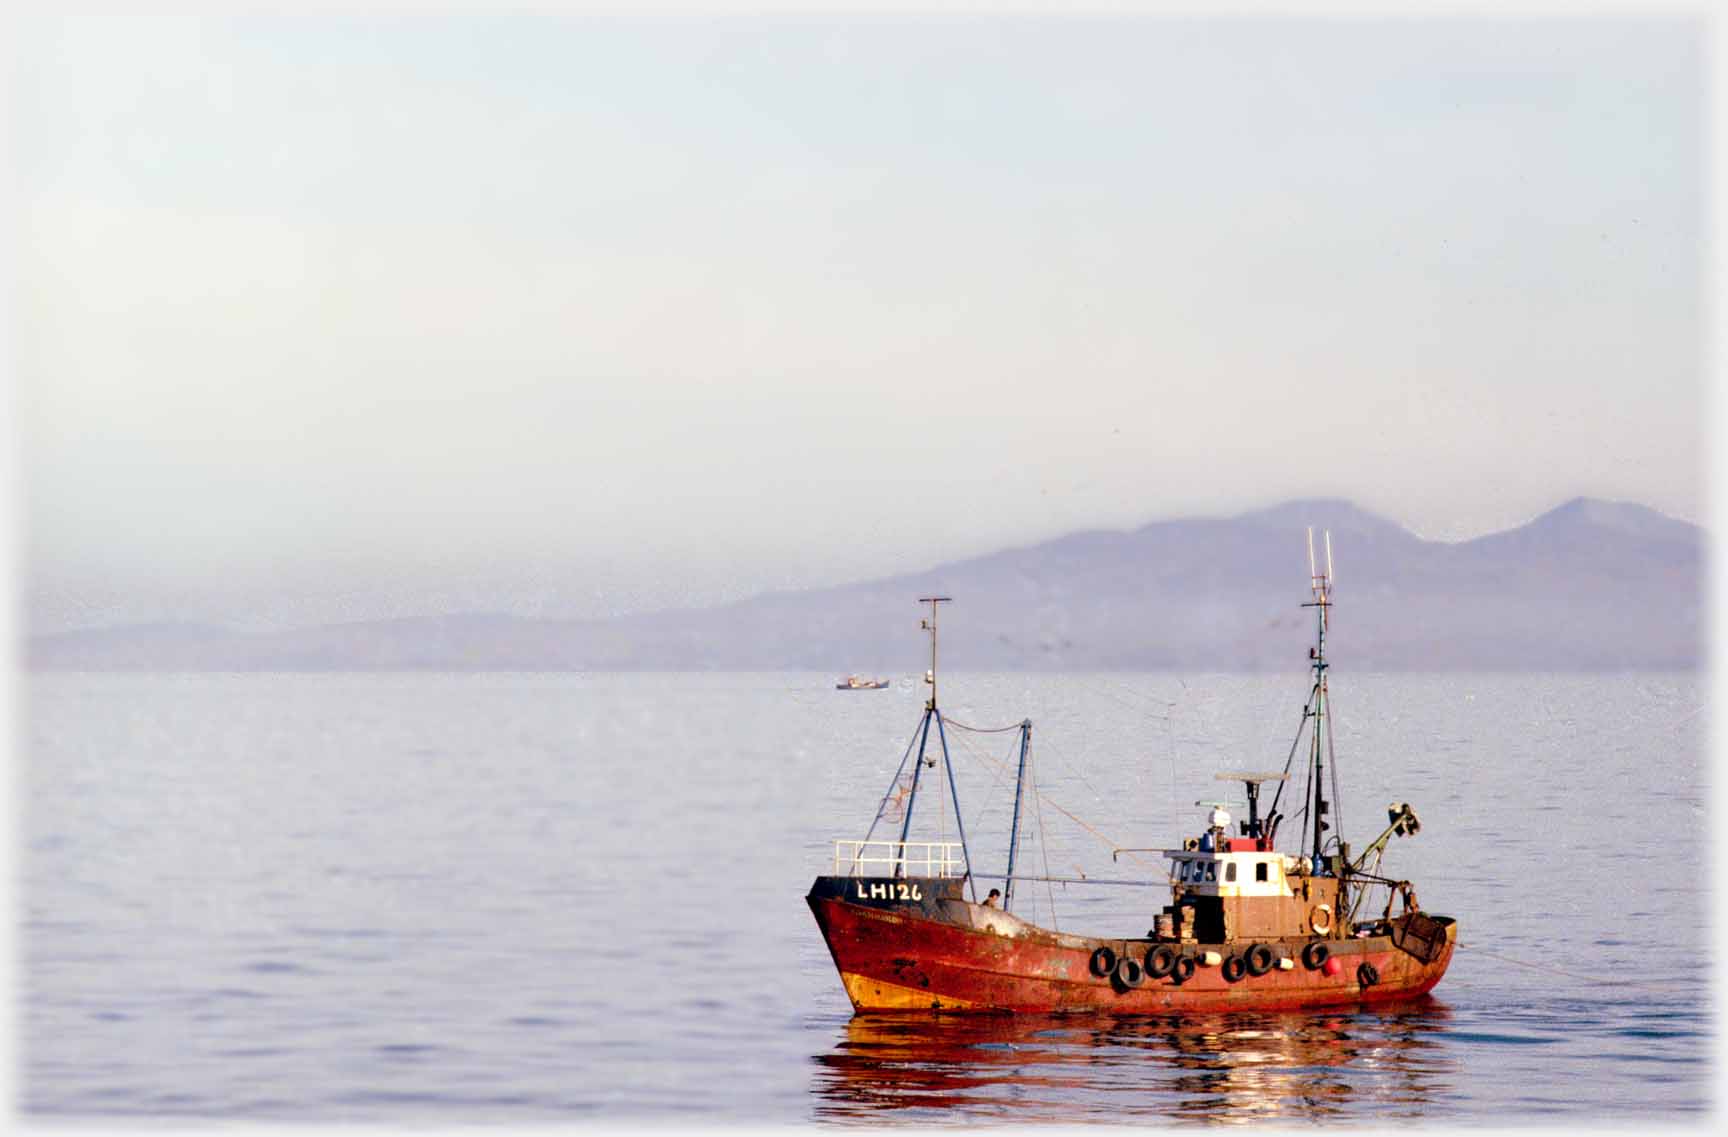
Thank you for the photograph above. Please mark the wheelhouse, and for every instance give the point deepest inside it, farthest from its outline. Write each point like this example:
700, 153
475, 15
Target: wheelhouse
1232, 874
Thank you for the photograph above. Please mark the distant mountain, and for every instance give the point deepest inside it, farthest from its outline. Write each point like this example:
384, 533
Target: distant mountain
1591, 585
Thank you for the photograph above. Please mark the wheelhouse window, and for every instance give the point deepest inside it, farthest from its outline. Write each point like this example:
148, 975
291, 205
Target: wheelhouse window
1260, 871
1230, 872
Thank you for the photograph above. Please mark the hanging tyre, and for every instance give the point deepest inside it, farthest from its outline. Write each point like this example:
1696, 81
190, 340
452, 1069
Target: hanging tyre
1314, 955
1367, 975
1127, 974
1234, 968
1161, 961
1103, 962
1259, 959
1184, 969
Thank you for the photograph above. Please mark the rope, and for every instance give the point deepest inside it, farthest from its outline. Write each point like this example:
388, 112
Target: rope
979, 729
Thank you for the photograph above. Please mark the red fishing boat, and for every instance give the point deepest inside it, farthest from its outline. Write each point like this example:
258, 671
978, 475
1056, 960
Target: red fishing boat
1248, 927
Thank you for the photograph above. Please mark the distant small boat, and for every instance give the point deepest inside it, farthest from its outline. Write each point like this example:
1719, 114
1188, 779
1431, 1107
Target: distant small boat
859, 683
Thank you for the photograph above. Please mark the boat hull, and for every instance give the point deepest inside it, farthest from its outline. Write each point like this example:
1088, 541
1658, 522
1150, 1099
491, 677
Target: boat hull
919, 946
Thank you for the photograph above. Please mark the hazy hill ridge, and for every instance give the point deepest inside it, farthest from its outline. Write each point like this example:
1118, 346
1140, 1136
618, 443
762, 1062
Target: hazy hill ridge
1591, 585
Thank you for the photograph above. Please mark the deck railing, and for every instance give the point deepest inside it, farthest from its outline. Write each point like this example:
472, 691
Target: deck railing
899, 858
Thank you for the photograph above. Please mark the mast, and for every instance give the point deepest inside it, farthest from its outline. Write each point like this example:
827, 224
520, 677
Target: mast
1320, 751
930, 711
933, 714
929, 625
1014, 826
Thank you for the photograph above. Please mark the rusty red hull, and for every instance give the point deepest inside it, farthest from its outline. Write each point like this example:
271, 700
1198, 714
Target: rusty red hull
940, 953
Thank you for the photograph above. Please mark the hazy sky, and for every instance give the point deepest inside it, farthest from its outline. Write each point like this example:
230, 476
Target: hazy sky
337, 316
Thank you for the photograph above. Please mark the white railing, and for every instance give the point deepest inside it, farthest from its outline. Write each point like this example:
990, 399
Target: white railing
899, 858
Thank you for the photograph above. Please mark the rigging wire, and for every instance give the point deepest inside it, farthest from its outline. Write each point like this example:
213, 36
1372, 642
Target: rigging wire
1123, 702
1043, 846
1308, 816
1003, 768
1290, 758
1569, 974
990, 794
1170, 745
1268, 713
942, 823
1337, 802
1688, 716
1074, 772
1037, 807
1038, 795
1600, 732
1169, 732
892, 786
1166, 718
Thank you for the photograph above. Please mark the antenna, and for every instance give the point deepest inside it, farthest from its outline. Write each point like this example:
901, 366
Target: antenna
1320, 582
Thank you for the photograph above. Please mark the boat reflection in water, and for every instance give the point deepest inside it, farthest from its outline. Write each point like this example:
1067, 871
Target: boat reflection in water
1366, 1065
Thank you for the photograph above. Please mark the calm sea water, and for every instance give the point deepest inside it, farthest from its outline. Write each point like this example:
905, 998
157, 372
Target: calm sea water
516, 897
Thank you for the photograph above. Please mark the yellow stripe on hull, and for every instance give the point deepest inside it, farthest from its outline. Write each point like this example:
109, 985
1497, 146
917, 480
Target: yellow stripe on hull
878, 995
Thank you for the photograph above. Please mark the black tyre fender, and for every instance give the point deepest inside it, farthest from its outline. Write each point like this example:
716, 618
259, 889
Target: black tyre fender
1235, 967
1259, 959
1184, 969
1103, 962
1367, 974
1314, 956
1126, 975
1161, 961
